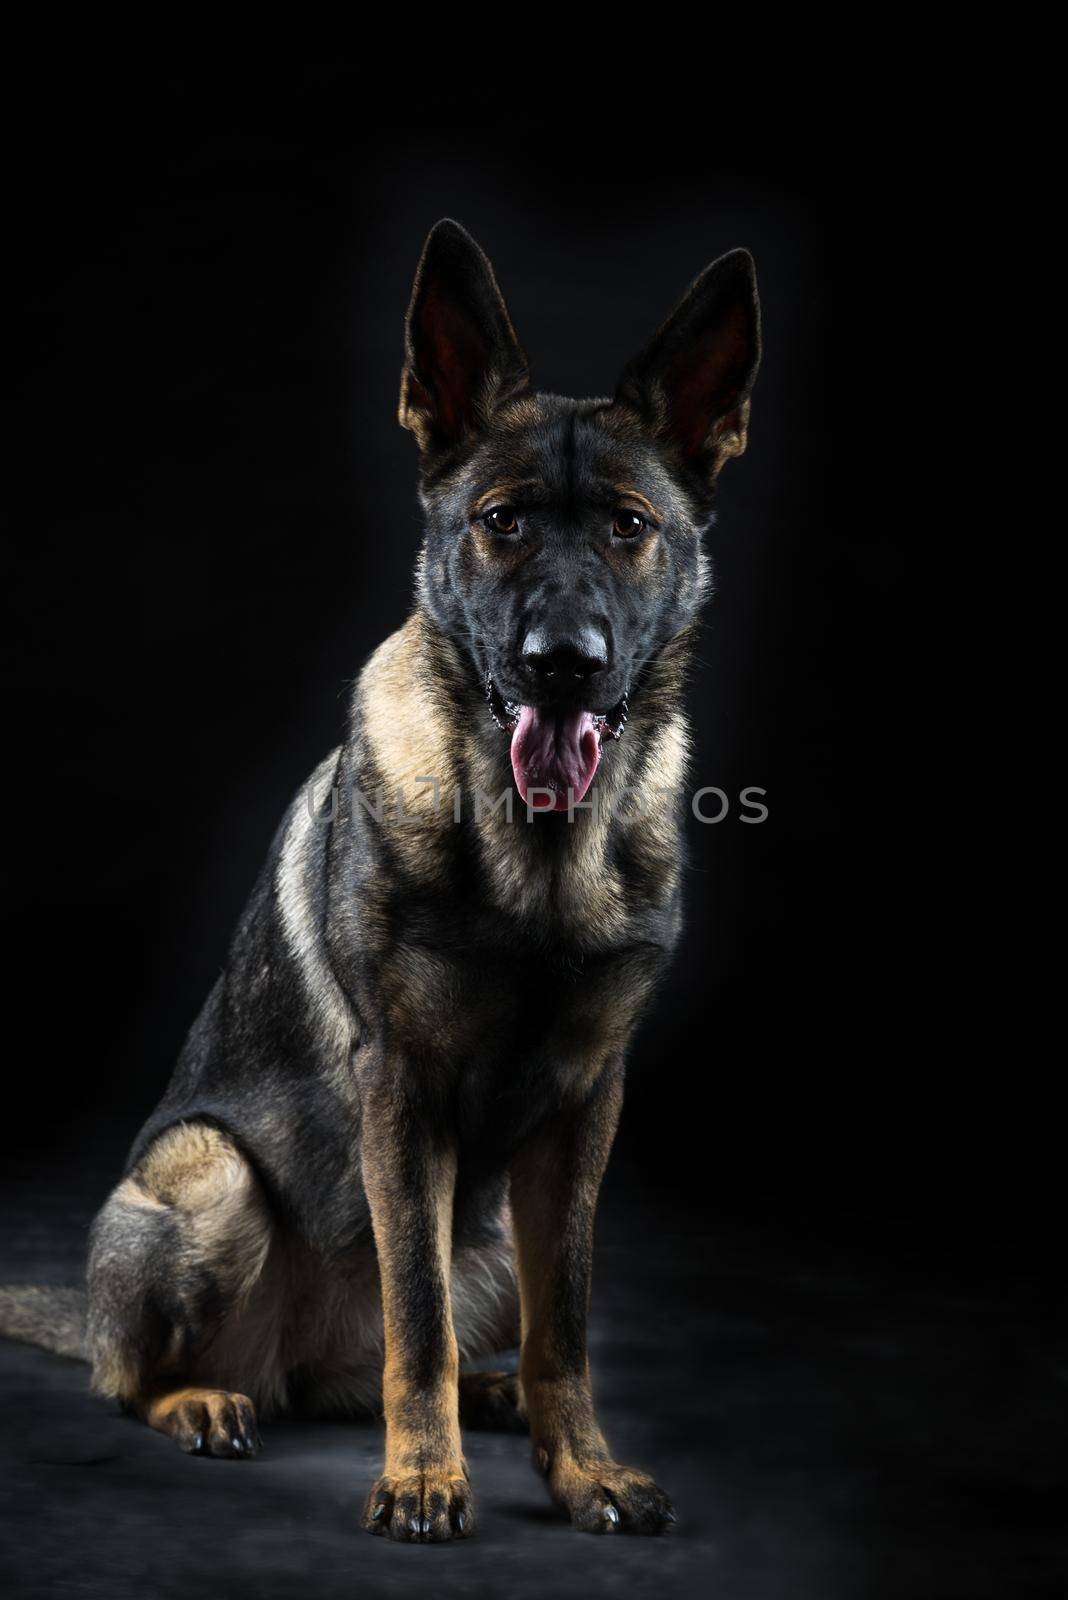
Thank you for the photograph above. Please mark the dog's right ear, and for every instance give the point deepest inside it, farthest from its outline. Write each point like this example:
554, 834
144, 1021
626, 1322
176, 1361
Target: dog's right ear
692, 381
462, 358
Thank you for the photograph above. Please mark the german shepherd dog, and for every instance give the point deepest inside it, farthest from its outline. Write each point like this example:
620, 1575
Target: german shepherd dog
380, 1152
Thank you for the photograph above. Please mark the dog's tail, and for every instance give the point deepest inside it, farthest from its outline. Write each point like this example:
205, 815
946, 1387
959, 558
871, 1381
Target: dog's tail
51, 1318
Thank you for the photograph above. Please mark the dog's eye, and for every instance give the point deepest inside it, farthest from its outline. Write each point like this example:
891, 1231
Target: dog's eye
628, 525
502, 520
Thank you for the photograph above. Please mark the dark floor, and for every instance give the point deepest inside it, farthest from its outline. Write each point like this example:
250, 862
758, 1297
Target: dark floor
832, 1420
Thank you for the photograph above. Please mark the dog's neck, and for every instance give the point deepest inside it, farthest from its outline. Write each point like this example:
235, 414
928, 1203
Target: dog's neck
425, 739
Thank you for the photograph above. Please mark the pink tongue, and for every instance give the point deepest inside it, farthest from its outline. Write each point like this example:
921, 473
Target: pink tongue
554, 753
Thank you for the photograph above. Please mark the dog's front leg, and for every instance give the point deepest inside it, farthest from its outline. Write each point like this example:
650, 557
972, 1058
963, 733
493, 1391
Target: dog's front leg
409, 1172
555, 1181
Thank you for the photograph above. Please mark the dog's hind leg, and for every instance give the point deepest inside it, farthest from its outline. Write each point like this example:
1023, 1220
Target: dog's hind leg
485, 1302
492, 1401
175, 1254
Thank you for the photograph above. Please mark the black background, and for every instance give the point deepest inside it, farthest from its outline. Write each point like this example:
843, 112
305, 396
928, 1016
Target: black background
219, 524
829, 1249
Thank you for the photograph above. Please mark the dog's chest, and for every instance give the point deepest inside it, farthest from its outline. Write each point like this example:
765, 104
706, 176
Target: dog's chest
509, 1027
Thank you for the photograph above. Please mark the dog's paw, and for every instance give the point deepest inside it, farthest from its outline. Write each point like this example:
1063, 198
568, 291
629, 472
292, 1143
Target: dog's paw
421, 1507
605, 1498
209, 1422
491, 1400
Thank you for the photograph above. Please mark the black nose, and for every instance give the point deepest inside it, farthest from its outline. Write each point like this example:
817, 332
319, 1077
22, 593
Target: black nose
576, 655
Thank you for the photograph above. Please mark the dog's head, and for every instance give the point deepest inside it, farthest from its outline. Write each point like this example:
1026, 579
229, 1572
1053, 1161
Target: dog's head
563, 547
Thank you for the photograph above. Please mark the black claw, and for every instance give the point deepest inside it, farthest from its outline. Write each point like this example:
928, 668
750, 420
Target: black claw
198, 1442
426, 1524
236, 1445
672, 1516
378, 1511
461, 1521
612, 1514
414, 1525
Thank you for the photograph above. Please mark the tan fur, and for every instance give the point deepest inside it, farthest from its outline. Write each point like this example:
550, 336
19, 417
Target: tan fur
199, 1172
500, 555
414, 735
555, 1183
637, 559
334, 1018
730, 436
632, 500
584, 894
194, 1174
191, 1414
410, 1183
406, 731
501, 494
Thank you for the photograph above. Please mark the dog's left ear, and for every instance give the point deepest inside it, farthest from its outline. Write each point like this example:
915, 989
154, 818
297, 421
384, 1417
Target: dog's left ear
462, 358
692, 381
